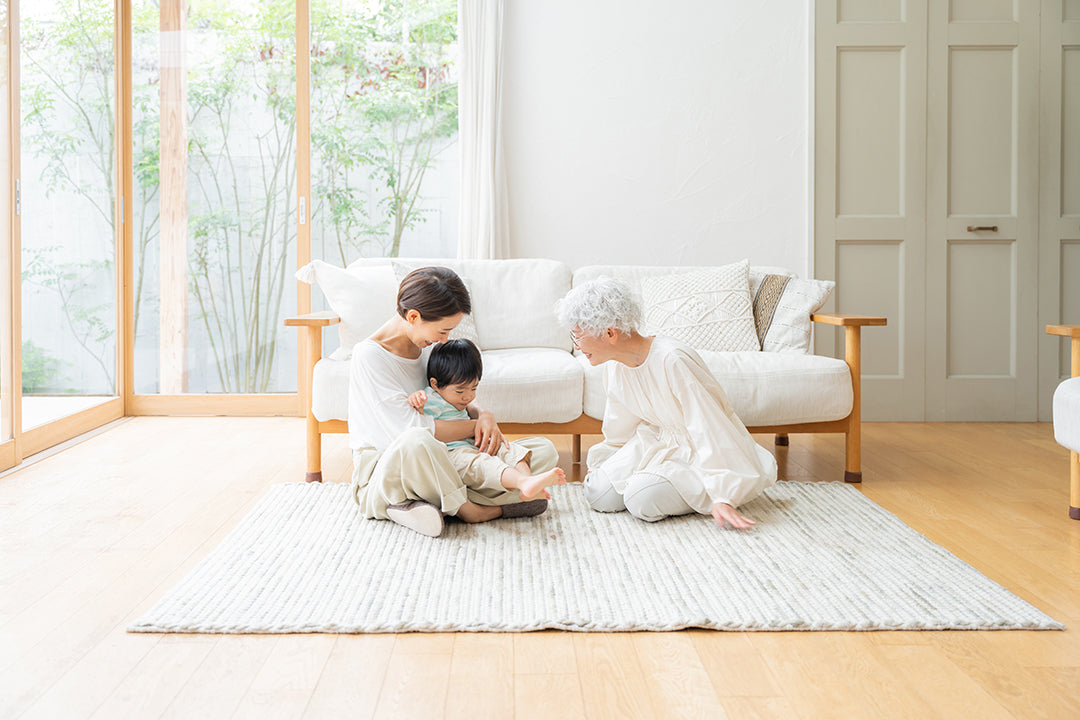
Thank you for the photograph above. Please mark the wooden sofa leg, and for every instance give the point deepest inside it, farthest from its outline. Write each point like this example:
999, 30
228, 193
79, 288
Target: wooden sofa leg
782, 440
1074, 485
575, 450
853, 438
314, 450
852, 469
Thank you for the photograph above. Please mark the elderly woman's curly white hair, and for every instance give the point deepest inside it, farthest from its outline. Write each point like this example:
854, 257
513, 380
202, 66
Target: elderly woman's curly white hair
599, 304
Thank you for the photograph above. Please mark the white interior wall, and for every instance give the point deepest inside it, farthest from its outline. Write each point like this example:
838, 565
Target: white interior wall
650, 132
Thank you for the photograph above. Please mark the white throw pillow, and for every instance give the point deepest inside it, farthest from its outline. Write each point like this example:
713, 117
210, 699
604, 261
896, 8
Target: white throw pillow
363, 297
707, 309
782, 309
466, 329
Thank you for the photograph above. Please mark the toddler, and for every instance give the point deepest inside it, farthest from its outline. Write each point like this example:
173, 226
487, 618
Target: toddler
454, 370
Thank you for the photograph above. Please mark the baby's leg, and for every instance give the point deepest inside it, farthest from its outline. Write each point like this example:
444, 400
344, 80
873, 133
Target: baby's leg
517, 456
531, 487
493, 475
519, 476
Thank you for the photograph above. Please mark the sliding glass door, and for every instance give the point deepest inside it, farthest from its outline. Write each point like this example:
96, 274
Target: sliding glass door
165, 172
214, 232
67, 211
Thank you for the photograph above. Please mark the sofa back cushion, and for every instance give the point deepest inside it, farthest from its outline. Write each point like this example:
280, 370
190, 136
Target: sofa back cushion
362, 296
709, 308
513, 300
782, 309
635, 275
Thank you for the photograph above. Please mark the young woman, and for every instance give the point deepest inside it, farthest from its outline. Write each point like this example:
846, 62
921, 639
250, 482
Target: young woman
401, 469
672, 443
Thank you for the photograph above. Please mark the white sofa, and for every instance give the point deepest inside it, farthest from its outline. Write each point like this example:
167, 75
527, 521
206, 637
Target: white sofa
535, 383
1067, 415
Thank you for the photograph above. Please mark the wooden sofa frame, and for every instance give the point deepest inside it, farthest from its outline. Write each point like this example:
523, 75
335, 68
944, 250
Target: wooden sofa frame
309, 349
1073, 332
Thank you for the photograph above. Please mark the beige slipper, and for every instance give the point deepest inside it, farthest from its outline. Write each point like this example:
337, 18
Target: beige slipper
420, 516
529, 508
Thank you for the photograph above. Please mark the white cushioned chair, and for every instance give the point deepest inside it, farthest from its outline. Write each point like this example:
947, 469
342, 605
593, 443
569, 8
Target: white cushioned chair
1067, 415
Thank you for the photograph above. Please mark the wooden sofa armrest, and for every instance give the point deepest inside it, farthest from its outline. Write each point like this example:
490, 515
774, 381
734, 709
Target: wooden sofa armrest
848, 320
309, 350
315, 319
310, 342
853, 325
1069, 331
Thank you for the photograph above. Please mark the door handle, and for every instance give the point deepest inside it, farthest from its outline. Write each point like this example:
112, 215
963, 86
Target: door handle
977, 228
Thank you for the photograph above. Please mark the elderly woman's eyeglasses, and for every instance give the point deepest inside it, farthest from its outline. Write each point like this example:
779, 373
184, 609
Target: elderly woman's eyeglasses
576, 338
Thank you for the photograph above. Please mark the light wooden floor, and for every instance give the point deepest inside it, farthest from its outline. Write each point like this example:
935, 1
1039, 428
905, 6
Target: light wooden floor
92, 536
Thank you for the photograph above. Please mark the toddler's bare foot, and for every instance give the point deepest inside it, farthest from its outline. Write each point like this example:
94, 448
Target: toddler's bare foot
533, 487
471, 512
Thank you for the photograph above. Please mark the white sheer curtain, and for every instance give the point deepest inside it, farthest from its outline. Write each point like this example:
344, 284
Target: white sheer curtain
483, 221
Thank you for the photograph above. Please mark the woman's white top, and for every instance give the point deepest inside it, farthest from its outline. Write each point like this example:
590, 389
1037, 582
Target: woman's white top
380, 383
670, 417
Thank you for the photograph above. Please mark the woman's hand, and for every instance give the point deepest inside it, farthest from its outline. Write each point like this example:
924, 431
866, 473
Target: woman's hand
418, 399
489, 439
724, 514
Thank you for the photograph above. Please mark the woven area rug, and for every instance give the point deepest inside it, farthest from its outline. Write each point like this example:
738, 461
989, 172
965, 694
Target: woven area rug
822, 557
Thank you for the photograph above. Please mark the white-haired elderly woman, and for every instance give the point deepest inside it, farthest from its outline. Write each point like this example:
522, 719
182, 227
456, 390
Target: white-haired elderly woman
672, 443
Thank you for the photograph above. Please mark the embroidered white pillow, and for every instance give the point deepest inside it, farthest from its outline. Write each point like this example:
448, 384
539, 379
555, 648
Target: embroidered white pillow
466, 329
363, 297
782, 309
708, 309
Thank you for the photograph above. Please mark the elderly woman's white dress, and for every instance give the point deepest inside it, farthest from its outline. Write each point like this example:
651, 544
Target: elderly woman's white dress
669, 418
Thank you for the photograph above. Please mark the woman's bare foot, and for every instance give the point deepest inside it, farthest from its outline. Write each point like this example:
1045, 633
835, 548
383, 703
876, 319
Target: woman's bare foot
532, 488
470, 512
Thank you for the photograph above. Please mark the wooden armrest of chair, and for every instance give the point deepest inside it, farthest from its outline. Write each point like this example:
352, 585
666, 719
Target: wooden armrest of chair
848, 320
315, 319
1072, 332
309, 350
1069, 331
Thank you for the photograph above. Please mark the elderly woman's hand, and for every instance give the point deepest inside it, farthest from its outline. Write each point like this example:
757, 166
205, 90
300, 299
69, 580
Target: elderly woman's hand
489, 438
723, 514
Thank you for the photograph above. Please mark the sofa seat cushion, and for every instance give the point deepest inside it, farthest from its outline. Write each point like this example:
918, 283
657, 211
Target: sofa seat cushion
330, 389
1067, 414
764, 388
531, 385
522, 385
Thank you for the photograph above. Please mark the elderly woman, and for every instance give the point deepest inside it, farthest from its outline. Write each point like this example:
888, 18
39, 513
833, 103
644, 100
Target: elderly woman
672, 443
401, 468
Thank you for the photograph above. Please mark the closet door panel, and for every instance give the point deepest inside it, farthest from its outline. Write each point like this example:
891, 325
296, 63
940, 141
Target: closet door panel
869, 219
982, 186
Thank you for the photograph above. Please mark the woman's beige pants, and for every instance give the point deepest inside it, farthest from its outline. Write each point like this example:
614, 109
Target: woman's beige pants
416, 466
